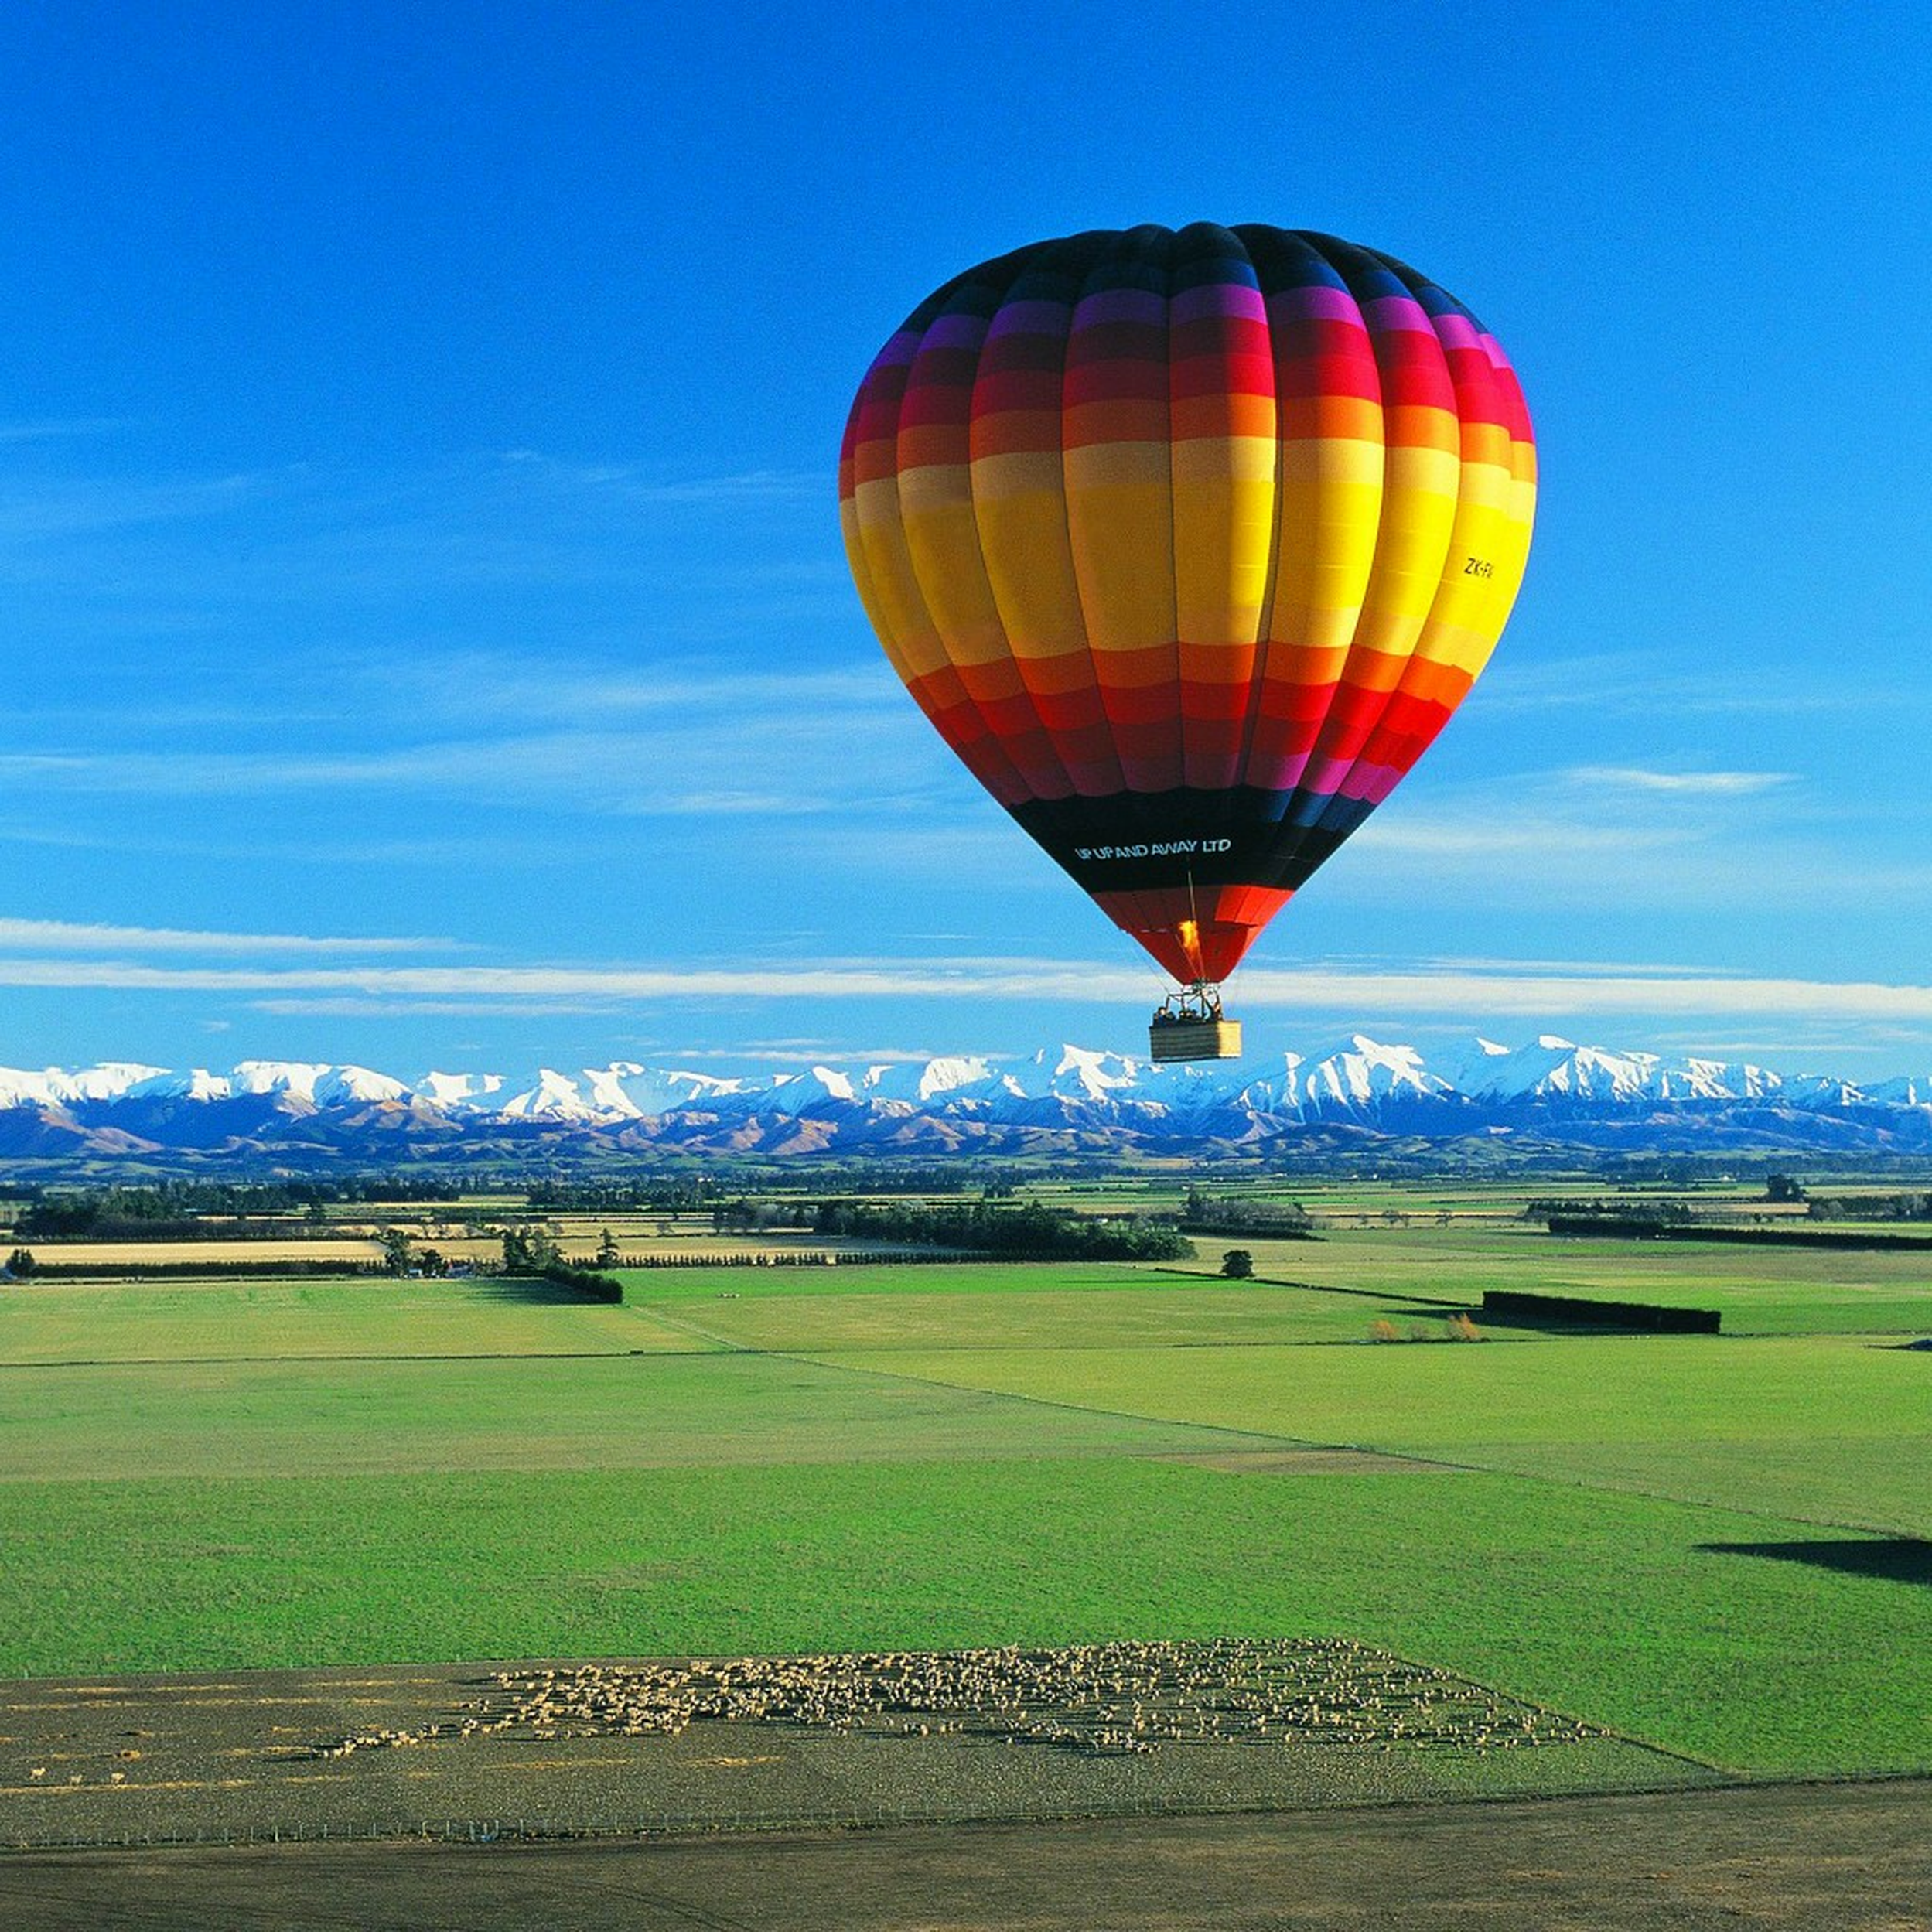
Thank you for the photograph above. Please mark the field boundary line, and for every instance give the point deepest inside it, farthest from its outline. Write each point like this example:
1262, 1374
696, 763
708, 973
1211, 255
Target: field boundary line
723, 1343
1323, 1288
477, 1355
1133, 1415
495, 1830
1433, 1461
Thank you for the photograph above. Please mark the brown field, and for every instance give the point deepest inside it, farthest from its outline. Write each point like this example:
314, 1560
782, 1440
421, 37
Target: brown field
265, 1255
884, 1738
1852, 1857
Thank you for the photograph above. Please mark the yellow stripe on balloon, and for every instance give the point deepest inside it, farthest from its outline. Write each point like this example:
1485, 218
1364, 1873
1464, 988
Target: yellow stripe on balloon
942, 539
889, 565
1019, 511
1224, 532
862, 579
1120, 524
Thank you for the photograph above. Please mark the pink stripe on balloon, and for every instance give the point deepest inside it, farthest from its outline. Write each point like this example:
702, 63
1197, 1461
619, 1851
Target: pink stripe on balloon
1220, 298
1315, 304
1275, 773
1370, 784
1458, 332
1396, 312
1324, 776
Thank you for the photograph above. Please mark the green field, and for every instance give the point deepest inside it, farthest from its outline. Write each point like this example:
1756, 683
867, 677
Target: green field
1714, 1545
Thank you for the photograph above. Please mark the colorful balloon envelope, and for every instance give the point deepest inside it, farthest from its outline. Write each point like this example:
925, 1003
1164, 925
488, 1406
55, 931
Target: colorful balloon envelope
1189, 543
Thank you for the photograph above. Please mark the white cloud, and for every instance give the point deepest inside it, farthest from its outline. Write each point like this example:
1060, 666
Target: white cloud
1701, 784
1503, 834
640, 484
396, 1007
61, 935
58, 428
1421, 992
675, 770
88, 506
1648, 683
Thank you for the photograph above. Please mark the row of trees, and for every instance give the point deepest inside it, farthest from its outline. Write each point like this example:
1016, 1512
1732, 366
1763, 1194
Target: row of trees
85, 1211
1220, 1214
1032, 1232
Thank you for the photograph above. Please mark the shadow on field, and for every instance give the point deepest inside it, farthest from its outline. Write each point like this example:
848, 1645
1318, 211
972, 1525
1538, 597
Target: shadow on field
1898, 1559
535, 1289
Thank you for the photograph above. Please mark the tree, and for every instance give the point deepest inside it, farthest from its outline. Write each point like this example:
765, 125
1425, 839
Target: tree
1782, 1187
607, 1254
528, 1251
1237, 1264
396, 1250
21, 1263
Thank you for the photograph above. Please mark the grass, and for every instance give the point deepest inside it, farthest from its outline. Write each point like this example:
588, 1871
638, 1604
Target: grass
212, 1420
1706, 1543
1822, 1429
59, 1321
666, 1287
1762, 1291
1148, 1311
1626, 1610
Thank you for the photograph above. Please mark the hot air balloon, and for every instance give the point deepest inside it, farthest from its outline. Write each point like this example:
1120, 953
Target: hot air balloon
1188, 542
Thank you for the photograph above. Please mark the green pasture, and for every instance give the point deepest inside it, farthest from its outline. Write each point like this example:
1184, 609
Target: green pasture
1714, 1545
1165, 1310
1758, 1290
1833, 1430
673, 1287
225, 1319
202, 1421
1744, 1644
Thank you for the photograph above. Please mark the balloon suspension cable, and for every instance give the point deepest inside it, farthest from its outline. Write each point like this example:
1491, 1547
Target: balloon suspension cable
1202, 1001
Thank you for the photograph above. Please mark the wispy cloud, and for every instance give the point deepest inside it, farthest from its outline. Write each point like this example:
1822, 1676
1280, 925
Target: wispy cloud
1711, 784
398, 1008
644, 483
88, 506
586, 690
675, 768
806, 1053
62, 935
1422, 991
1529, 835
61, 428
1648, 683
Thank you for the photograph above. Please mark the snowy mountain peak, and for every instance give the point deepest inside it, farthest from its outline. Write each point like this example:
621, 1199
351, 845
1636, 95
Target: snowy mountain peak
1550, 1087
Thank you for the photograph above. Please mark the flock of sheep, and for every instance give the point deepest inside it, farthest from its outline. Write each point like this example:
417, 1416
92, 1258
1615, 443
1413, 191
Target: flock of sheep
1098, 1700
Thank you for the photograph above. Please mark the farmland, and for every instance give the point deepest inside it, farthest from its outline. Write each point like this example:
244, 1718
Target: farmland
1710, 1549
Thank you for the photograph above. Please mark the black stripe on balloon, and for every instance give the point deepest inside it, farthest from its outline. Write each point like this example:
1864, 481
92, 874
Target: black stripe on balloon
1143, 841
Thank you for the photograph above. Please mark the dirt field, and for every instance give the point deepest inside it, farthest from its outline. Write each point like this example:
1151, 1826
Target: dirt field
541, 1749
1785, 1858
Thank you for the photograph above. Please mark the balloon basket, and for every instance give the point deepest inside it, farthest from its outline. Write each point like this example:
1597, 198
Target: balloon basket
1190, 1025
1195, 1040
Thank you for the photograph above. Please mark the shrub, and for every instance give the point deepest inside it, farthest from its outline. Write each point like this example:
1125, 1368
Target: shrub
583, 1283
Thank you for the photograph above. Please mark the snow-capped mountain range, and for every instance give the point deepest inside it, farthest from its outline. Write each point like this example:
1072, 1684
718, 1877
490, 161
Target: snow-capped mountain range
1551, 1090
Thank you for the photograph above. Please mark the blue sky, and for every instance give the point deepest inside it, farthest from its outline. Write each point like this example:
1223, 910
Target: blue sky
429, 641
